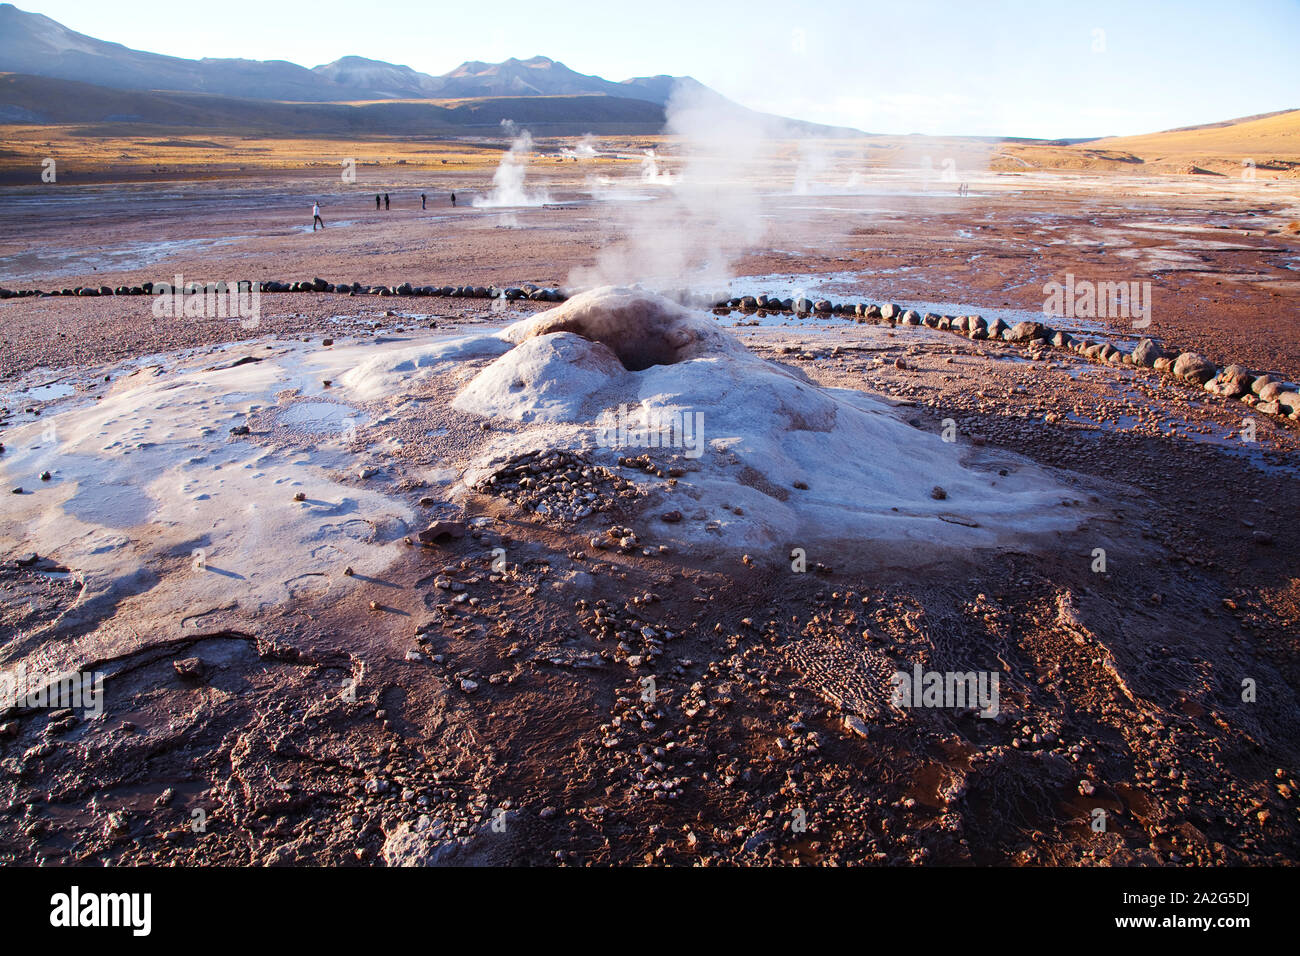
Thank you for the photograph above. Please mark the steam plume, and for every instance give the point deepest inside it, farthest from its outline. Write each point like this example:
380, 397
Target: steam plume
508, 181
692, 236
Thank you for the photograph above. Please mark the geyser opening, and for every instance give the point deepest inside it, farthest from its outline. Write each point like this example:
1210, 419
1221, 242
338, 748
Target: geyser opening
641, 328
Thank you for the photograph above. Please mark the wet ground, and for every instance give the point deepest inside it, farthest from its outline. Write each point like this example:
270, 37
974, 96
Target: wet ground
1222, 267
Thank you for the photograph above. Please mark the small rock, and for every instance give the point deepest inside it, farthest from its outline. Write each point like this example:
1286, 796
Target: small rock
442, 530
856, 725
1146, 352
1026, 332
189, 667
1194, 367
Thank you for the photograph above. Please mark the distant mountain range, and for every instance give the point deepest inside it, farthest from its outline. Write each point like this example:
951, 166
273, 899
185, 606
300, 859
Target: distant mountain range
538, 76
35, 44
38, 46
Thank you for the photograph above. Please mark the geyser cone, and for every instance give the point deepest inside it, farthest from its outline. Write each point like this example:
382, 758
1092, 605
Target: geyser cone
772, 459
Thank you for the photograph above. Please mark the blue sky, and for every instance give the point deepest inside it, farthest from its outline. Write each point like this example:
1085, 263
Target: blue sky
981, 67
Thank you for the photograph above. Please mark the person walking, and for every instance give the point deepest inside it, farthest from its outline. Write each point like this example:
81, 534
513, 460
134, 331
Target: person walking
316, 220
376, 202
453, 199
385, 202
422, 206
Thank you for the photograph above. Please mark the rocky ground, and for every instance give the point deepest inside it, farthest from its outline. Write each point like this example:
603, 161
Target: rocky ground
547, 688
548, 682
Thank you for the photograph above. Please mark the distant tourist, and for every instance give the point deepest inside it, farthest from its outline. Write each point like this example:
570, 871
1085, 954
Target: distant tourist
385, 200
453, 199
316, 220
422, 206
376, 201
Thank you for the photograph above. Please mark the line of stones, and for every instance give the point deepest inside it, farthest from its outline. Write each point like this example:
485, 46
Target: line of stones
525, 291
1266, 392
